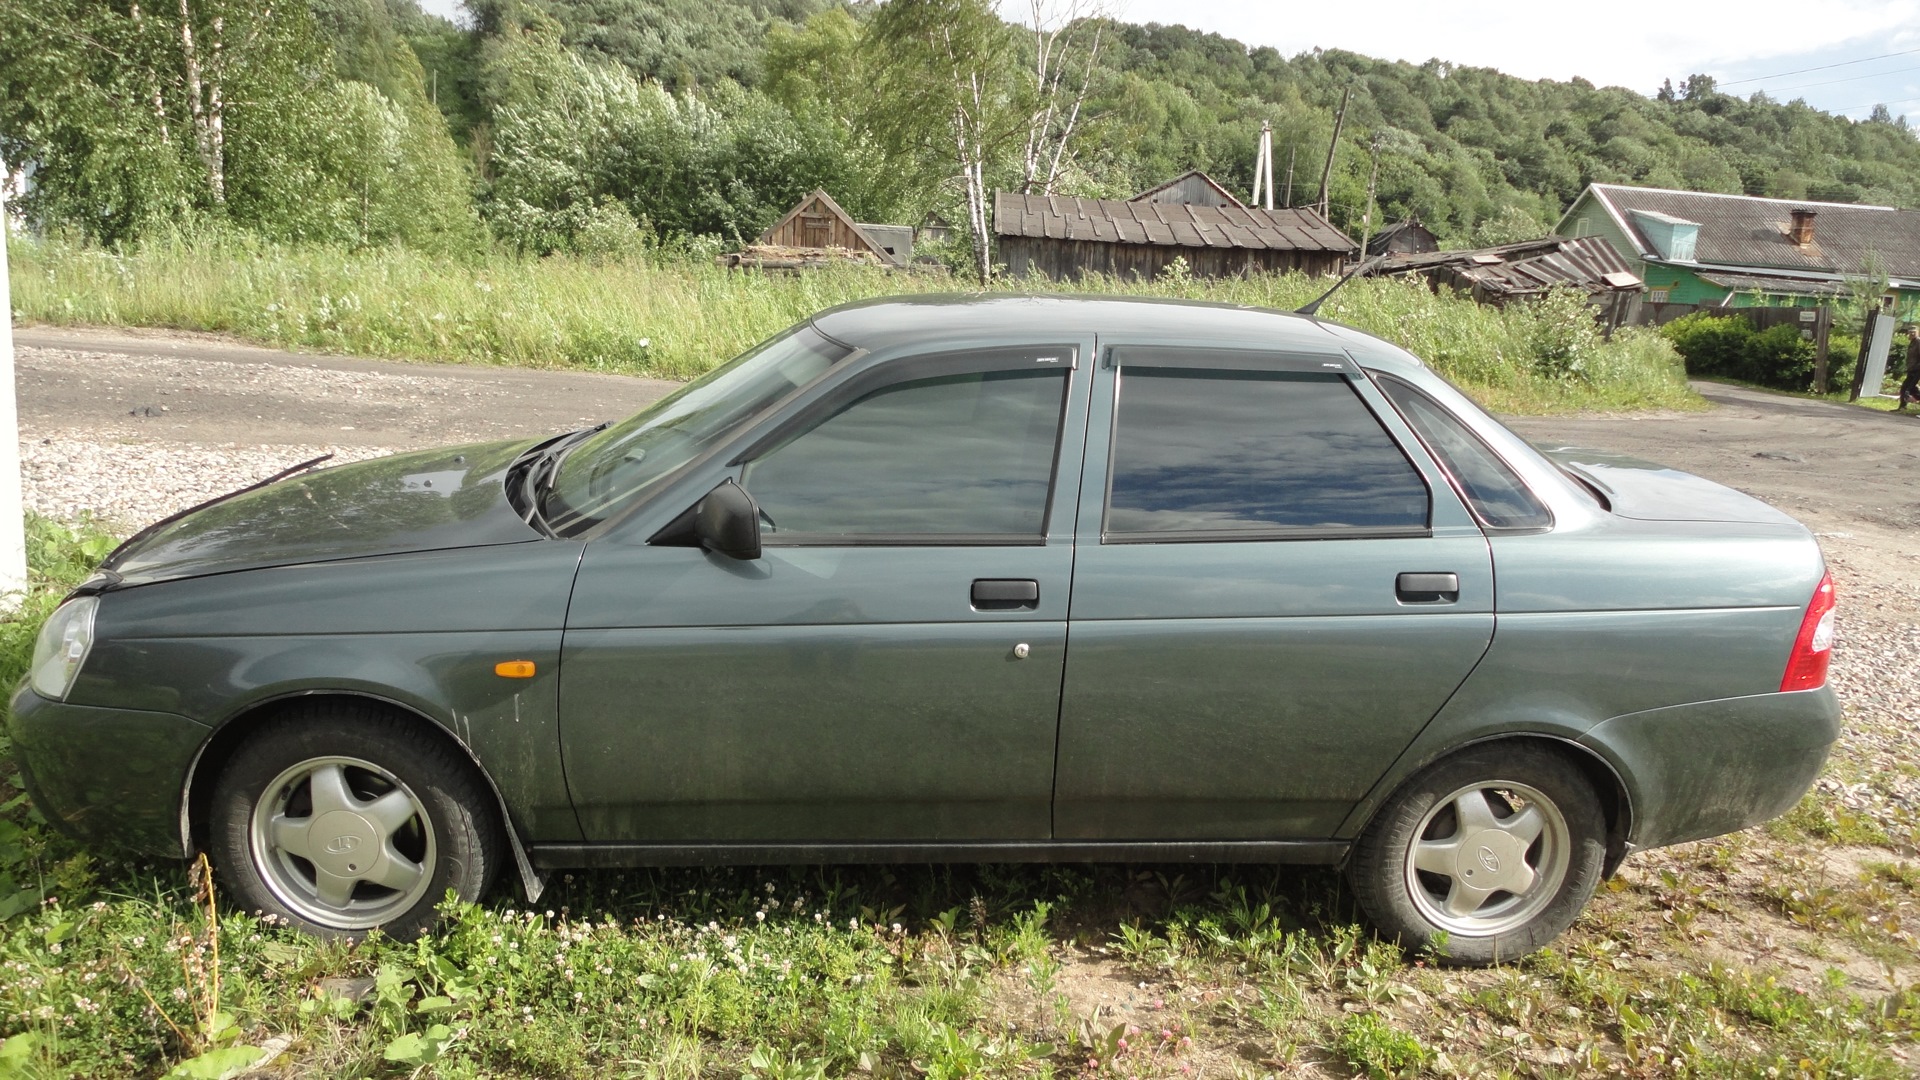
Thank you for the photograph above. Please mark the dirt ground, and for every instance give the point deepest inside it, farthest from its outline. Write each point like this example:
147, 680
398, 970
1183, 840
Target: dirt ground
199, 389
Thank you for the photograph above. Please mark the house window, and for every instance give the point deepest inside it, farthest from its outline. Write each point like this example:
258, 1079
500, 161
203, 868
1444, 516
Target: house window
1657, 296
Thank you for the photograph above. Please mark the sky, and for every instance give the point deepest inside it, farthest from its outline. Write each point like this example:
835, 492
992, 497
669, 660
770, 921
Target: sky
1863, 51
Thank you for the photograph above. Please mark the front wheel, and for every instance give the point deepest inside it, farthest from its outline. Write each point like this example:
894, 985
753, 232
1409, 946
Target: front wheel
1494, 851
342, 819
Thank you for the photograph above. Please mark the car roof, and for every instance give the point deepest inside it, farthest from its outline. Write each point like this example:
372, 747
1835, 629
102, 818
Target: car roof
883, 323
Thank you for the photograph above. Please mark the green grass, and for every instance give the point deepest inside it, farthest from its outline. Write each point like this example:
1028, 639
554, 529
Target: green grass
678, 319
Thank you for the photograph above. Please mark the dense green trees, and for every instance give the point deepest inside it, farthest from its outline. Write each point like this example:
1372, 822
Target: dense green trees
605, 124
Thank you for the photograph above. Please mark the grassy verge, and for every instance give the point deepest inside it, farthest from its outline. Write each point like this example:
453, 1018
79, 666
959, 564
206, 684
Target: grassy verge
677, 319
1754, 955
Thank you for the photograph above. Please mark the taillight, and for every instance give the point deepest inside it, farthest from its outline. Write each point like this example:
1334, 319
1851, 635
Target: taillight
1813, 646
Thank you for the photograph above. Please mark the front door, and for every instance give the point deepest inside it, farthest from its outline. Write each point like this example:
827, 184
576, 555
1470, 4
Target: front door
1275, 591
889, 670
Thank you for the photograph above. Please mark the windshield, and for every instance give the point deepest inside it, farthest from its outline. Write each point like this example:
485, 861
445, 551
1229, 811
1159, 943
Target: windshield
633, 455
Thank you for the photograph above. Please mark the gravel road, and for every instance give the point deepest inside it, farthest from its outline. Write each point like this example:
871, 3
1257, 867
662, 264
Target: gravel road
130, 426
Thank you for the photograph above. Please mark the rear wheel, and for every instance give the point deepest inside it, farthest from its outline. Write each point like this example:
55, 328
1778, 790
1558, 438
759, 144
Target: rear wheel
1496, 849
342, 819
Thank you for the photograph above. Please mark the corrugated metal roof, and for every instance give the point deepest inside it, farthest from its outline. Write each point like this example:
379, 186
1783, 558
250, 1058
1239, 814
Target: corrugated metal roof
1525, 268
1115, 221
1740, 230
1774, 283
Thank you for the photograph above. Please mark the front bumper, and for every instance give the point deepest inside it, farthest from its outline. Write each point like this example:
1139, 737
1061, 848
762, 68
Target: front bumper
1714, 767
107, 776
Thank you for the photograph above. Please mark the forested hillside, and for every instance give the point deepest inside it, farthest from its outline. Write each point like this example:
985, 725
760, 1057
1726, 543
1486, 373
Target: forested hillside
606, 125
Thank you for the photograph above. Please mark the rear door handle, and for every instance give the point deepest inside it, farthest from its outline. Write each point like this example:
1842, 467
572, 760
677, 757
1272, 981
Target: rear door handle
1005, 594
1427, 588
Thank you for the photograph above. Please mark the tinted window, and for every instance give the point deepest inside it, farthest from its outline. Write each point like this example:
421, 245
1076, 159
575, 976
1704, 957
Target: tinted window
1493, 489
1205, 451
636, 453
963, 455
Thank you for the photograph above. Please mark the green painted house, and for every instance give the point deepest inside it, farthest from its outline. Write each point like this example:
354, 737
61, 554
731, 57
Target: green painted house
1697, 249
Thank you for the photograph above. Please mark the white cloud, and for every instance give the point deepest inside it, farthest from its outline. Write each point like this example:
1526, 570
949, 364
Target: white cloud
1634, 45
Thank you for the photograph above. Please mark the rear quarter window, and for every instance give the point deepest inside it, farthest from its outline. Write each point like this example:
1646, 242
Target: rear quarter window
1497, 495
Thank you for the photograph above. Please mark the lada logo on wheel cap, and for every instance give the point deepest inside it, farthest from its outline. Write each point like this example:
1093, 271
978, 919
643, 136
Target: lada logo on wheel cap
1487, 859
346, 842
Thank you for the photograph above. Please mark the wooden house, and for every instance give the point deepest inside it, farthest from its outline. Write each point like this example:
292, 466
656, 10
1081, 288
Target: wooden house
818, 232
1062, 238
1407, 237
1695, 249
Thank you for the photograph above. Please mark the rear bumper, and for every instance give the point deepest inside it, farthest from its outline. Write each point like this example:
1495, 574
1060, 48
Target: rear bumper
1715, 767
106, 776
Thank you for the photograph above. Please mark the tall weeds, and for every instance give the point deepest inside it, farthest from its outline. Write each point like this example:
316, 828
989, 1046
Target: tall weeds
676, 318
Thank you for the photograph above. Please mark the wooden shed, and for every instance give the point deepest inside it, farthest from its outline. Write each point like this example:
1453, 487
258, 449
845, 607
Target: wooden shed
1192, 188
1407, 237
818, 232
1064, 238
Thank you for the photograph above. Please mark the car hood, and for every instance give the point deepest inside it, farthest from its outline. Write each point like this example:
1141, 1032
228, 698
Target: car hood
1653, 492
422, 501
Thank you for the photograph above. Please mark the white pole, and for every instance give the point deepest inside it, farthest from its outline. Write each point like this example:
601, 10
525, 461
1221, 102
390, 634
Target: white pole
13, 535
1266, 157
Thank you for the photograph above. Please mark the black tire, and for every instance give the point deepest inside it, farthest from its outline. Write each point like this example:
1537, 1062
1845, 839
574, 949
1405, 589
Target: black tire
1416, 906
388, 765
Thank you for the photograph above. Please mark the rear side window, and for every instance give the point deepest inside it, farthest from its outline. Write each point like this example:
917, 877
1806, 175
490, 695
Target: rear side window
1250, 454
1497, 494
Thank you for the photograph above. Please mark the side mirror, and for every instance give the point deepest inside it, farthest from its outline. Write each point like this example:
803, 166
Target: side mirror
728, 521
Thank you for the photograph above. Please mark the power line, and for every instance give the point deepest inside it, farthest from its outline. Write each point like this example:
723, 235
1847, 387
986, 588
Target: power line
1822, 67
1871, 104
1831, 82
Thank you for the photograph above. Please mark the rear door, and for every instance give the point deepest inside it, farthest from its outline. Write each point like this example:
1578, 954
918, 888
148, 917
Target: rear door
1275, 589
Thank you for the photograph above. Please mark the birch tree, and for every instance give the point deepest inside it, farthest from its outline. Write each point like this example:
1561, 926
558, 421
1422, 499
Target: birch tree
942, 76
1067, 35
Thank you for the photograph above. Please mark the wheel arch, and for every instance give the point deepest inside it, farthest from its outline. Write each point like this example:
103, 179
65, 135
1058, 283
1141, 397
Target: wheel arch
1616, 800
196, 797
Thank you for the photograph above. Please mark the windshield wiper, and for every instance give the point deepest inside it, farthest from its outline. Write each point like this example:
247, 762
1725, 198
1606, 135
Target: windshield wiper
540, 472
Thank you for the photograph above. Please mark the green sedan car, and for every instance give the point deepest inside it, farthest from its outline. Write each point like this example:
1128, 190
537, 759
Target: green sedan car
957, 579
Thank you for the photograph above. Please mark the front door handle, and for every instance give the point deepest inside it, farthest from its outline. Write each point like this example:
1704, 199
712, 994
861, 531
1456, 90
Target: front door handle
1427, 588
1005, 594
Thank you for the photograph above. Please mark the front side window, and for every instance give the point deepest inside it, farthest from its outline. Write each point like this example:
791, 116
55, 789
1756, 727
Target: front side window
963, 456
1490, 486
632, 456
1254, 454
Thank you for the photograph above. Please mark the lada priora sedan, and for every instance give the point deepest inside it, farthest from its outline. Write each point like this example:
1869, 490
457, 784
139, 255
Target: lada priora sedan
953, 578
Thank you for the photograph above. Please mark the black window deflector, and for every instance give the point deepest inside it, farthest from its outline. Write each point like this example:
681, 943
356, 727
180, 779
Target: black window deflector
932, 366
1186, 356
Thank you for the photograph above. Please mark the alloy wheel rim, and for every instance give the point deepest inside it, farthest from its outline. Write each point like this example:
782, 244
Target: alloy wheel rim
1488, 858
343, 843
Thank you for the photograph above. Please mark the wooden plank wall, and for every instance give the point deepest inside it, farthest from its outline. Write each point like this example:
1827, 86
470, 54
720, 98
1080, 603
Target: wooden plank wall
1191, 190
1065, 260
817, 227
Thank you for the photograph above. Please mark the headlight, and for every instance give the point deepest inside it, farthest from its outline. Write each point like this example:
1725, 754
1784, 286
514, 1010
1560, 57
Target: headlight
64, 642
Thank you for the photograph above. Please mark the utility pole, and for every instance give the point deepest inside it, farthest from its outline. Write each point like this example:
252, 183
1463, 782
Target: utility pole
13, 535
1326, 174
1266, 156
1260, 174
1373, 174
1287, 199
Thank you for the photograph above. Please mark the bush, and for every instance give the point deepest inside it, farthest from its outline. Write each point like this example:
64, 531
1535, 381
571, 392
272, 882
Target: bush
1729, 346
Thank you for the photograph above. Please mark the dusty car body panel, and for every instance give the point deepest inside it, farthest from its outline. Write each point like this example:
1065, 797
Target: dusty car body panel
103, 773
416, 501
422, 630
1233, 698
